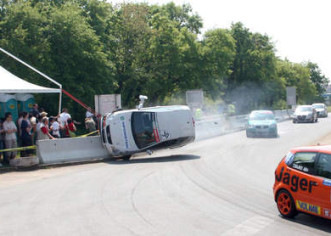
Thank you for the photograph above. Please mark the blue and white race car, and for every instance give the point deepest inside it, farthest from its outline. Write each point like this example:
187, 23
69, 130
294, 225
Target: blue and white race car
261, 123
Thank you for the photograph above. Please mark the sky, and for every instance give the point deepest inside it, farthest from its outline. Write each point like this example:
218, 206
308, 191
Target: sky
300, 29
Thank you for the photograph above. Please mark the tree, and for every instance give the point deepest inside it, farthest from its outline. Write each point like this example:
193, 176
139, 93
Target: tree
253, 71
218, 53
183, 17
319, 80
297, 75
78, 60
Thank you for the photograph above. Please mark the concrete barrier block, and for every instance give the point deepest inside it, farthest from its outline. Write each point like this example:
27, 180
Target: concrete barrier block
57, 151
24, 161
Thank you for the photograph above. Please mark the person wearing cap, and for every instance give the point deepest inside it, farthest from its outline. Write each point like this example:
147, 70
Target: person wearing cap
43, 114
43, 132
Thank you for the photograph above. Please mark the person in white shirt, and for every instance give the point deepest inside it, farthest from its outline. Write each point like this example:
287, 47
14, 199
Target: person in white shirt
89, 113
64, 116
55, 128
10, 137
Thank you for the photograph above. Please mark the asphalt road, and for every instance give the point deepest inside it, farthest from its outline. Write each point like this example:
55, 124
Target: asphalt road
218, 186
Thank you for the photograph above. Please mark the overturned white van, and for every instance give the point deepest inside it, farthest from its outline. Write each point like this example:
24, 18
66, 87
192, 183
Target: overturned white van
127, 132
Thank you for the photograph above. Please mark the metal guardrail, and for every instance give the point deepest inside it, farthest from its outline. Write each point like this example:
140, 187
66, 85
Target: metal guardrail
214, 125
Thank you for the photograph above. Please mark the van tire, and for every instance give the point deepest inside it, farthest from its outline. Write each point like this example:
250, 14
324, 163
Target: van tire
126, 157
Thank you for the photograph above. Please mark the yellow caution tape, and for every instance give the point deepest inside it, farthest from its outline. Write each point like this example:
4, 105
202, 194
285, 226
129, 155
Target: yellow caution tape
18, 149
85, 135
34, 146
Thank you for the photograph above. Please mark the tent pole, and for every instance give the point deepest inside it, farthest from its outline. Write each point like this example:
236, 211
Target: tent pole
32, 68
60, 100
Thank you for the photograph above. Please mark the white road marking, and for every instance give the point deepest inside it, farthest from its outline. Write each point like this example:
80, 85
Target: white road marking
250, 227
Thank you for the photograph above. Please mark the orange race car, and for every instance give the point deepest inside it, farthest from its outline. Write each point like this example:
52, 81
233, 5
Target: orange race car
303, 182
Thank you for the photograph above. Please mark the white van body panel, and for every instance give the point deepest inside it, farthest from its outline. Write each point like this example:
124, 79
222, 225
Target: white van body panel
170, 123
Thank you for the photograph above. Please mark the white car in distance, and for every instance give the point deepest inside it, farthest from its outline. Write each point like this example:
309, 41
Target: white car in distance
127, 132
322, 110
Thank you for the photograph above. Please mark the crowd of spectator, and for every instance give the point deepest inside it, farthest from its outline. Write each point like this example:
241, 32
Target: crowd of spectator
36, 125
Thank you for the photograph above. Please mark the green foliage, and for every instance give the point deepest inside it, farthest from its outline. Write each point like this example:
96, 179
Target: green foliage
298, 75
279, 105
218, 52
318, 79
94, 47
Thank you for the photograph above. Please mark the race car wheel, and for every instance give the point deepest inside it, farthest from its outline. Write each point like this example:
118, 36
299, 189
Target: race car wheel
285, 204
294, 121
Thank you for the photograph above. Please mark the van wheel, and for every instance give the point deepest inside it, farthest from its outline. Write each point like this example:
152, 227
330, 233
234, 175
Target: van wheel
126, 157
285, 204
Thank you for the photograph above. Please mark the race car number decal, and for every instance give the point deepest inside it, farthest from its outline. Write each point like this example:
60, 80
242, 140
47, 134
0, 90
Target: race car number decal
300, 167
295, 181
304, 206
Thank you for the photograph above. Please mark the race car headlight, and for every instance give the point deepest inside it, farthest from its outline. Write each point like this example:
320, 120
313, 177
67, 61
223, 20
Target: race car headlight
250, 126
310, 115
273, 126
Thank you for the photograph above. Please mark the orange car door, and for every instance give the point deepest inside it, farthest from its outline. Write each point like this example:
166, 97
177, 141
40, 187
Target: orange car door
322, 196
304, 185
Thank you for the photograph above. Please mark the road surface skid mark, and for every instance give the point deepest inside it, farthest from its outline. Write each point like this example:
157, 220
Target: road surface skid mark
250, 227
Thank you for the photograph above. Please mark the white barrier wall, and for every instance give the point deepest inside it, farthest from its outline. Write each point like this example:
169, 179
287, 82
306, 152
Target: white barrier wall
218, 124
56, 151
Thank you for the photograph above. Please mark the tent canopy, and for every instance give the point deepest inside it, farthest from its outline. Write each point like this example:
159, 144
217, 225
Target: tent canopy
10, 83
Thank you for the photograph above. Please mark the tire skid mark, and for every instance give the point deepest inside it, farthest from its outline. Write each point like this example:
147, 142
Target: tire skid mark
107, 212
132, 198
220, 197
266, 216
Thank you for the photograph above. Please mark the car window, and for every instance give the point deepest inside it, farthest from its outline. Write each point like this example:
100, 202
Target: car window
143, 128
318, 106
304, 161
302, 109
261, 116
323, 166
108, 134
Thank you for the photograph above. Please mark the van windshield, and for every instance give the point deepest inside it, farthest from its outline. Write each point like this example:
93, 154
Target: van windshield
144, 129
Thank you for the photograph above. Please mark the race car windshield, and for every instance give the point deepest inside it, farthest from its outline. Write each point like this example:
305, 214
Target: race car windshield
301, 109
262, 116
143, 128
